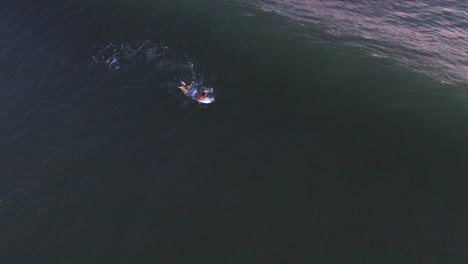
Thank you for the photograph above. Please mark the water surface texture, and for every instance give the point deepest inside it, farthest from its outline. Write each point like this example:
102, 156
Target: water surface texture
339, 132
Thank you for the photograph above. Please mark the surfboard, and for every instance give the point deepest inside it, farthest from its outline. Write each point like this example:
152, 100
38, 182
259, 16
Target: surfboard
206, 100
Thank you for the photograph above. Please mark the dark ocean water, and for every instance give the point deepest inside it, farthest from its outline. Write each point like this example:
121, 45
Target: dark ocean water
339, 132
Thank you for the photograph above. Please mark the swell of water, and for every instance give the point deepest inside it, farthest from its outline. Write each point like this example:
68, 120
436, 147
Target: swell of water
424, 36
314, 151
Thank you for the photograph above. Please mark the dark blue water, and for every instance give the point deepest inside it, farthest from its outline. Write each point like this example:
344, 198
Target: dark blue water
339, 132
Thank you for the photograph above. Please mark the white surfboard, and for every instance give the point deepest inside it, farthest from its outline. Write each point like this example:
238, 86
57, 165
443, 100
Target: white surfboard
206, 100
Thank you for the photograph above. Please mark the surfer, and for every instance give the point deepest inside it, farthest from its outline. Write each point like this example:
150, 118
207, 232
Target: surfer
192, 93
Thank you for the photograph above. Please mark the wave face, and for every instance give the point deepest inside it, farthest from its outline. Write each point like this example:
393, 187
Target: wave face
338, 133
425, 36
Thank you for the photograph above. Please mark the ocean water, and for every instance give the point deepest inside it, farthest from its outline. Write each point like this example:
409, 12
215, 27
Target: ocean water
339, 132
